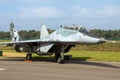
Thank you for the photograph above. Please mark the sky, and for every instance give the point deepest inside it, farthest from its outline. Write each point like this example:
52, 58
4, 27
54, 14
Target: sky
30, 14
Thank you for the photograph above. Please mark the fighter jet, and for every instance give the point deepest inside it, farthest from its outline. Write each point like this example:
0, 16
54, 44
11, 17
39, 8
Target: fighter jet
58, 42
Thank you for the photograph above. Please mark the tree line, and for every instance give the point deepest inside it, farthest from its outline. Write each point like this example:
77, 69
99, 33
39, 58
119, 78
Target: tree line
107, 34
33, 34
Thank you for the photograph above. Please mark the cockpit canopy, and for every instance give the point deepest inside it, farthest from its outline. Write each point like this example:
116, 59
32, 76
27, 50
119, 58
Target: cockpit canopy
79, 28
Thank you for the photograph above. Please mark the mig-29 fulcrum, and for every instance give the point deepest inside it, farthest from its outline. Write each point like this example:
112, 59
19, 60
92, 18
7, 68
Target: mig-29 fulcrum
58, 42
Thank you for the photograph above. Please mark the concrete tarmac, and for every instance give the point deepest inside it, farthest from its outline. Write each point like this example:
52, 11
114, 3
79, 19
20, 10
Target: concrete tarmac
18, 69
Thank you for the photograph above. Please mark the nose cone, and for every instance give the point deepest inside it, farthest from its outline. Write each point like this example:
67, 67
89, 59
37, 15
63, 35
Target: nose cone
102, 40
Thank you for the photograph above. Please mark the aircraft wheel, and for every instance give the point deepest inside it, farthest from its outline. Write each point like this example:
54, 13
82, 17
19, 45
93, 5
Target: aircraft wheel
29, 57
60, 61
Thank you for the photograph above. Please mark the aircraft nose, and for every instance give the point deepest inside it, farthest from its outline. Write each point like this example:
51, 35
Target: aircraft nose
102, 40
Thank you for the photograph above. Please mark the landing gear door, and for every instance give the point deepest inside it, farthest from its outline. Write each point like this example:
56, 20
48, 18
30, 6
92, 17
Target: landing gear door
44, 48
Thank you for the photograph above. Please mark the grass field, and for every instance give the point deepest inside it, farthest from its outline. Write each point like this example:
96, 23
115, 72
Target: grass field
96, 55
103, 52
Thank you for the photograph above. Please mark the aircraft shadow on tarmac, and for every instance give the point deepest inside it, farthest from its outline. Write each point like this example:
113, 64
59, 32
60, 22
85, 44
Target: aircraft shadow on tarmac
100, 64
83, 61
77, 60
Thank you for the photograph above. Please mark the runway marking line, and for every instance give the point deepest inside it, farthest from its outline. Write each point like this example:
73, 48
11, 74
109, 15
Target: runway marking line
2, 69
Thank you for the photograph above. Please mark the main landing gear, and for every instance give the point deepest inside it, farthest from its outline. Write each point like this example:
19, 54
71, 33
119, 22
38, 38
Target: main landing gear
59, 58
59, 55
29, 55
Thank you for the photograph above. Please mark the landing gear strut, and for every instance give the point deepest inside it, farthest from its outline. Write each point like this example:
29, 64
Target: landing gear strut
59, 55
59, 58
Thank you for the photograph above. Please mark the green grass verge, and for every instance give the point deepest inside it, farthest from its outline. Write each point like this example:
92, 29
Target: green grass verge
83, 55
96, 55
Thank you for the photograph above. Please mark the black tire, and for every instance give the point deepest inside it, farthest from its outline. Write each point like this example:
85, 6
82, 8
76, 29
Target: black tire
29, 57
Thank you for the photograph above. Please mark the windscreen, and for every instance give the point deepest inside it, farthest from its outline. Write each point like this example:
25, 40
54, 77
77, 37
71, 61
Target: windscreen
81, 29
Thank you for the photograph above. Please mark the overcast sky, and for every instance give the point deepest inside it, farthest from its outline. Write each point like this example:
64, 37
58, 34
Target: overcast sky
30, 14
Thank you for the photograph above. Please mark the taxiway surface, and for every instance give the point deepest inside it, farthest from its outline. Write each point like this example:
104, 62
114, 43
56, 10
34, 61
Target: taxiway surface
49, 70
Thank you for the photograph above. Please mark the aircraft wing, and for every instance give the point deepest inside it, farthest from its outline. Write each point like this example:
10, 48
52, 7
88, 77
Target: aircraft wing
40, 41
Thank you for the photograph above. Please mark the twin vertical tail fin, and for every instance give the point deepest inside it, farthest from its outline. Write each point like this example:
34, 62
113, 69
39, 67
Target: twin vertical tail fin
44, 47
14, 34
15, 37
44, 32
